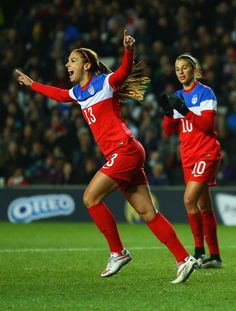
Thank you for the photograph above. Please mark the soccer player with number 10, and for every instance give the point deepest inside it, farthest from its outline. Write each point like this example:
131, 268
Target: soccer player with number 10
191, 112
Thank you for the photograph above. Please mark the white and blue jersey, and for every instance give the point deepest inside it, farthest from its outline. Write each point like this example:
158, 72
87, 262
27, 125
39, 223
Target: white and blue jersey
197, 100
196, 130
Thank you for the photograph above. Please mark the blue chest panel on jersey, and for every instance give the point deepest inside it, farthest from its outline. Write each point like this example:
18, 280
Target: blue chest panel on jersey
95, 86
199, 94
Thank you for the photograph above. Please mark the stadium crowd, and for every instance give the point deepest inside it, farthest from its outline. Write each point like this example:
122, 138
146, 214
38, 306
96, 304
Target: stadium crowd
43, 142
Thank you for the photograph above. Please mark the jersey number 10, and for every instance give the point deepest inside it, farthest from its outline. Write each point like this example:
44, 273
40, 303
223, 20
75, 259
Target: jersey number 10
186, 126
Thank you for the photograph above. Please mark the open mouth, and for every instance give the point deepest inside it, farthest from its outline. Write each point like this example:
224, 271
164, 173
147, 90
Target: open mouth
70, 72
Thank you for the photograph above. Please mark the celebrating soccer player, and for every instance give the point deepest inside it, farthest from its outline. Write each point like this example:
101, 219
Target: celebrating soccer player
98, 91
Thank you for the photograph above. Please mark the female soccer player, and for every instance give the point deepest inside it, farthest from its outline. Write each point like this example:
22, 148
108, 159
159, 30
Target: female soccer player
191, 112
98, 92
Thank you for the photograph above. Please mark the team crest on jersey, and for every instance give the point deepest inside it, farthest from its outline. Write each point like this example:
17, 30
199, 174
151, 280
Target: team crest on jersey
194, 99
91, 90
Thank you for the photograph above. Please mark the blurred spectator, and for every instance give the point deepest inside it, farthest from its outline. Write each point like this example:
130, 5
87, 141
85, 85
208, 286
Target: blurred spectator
158, 176
46, 172
227, 172
231, 116
13, 158
17, 179
70, 175
88, 171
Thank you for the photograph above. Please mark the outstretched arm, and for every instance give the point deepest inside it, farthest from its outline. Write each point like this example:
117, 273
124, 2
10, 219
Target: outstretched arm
121, 74
52, 92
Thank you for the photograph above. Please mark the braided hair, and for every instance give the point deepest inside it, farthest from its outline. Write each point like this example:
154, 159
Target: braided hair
134, 86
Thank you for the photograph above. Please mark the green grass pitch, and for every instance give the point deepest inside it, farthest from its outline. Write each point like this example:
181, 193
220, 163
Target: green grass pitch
56, 266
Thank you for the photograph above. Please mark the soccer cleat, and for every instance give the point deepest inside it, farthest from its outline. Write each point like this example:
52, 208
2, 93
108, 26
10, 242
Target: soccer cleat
185, 269
116, 262
200, 259
211, 263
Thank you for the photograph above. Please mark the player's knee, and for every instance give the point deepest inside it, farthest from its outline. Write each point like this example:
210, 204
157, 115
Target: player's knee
147, 214
86, 200
205, 207
189, 202
89, 199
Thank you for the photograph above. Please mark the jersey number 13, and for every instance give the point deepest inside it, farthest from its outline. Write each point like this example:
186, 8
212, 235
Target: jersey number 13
89, 115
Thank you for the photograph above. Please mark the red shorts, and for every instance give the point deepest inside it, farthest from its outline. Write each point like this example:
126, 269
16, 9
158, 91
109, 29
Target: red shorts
126, 165
203, 172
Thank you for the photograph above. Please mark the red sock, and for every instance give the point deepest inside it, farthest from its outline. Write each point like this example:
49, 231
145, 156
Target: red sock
196, 225
165, 232
106, 223
210, 234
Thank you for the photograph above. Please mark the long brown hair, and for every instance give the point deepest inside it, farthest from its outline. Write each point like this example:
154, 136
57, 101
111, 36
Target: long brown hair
134, 86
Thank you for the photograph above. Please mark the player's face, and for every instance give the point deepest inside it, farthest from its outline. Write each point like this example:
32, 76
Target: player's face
184, 72
76, 67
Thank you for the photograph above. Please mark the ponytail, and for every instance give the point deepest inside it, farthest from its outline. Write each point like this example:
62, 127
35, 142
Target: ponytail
103, 68
134, 86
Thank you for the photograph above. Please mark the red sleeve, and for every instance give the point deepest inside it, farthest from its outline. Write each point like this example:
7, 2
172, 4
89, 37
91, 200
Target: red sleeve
170, 125
121, 74
206, 121
52, 92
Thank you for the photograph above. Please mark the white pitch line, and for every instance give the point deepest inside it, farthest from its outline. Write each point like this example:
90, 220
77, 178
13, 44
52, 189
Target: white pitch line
83, 249
79, 249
